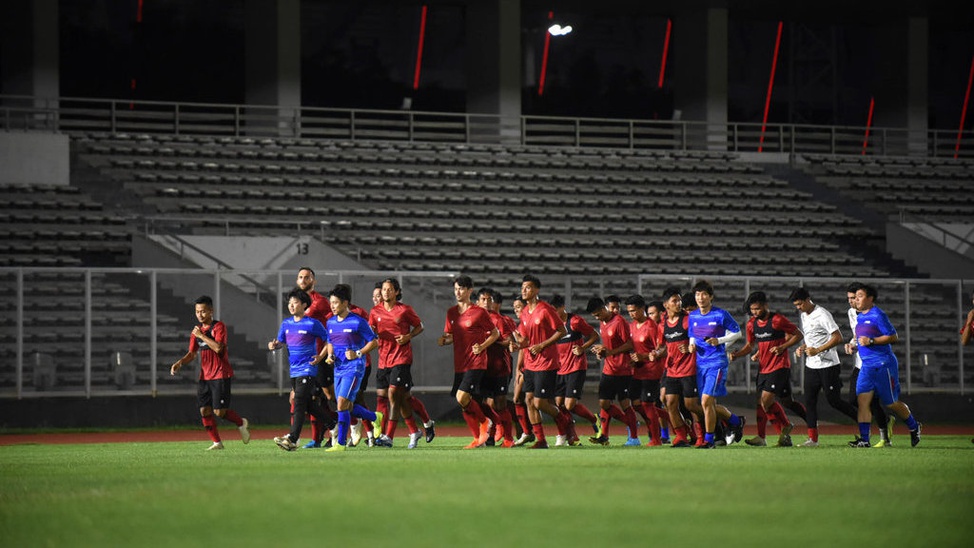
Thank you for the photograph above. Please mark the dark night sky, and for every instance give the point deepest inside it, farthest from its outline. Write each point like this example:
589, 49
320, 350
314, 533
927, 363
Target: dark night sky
361, 55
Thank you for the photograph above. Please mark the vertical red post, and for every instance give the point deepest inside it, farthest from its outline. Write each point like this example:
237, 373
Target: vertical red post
544, 57
869, 124
666, 51
963, 112
419, 46
767, 99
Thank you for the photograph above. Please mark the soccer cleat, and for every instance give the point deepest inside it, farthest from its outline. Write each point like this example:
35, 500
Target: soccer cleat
599, 440
524, 439
654, 443
430, 430
217, 445
680, 443
356, 434
312, 445
285, 443
377, 424
560, 441
664, 441
475, 444
632, 442
244, 431
880, 443
370, 440
859, 442
327, 444
539, 445
414, 439
809, 443
383, 441
915, 435
507, 443
756, 441
705, 445
597, 426
784, 441
736, 432
786, 431
335, 448
574, 441
485, 431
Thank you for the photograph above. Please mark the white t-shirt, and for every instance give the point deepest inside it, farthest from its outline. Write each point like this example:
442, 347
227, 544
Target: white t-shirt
853, 320
818, 326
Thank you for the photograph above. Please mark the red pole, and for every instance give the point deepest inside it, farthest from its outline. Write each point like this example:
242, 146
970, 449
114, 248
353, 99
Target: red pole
419, 47
544, 57
963, 112
666, 51
869, 124
767, 100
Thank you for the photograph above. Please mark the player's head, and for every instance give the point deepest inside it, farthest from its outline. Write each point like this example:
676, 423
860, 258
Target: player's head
204, 309
636, 307
689, 301
672, 301
485, 298
298, 301
596, 307
530, 285
613, 303
703, 294
557, 301
850, 292
756, 305
654, 310
802, 300
342, 292
463, 281
377, 294
517, 305
462, 288
306, 278
391, 290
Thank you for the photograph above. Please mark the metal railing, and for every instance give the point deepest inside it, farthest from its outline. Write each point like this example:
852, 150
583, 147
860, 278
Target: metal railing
67, 114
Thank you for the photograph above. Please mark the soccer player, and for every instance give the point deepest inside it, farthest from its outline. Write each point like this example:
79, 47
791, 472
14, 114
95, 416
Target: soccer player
520, 405
510, 326
301, 335
711, 329
319, 310
773, 335
396, 324
656, 312
883, 420
350, 339
967, 332
497, 378
470, 330
822, 362
613, 304
209, 340
647, 371
880, 376
569, 384
538, 333
614, 349
681, 367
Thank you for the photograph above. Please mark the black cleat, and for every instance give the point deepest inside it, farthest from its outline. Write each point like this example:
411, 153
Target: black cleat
915, 435
710, 445
430, 431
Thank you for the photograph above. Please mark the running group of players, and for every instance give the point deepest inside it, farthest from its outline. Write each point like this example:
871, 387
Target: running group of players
668, 365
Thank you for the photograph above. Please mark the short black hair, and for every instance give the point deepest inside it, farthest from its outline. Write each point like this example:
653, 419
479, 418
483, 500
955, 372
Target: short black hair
658, 305
799, 294
204, 299
342, 291
705, 286
594, 304
309, 269
486, 291
670, 291
613, 299
636, 300
299, 294
754, 297
689, 300
557, 300
870, 291
533, 279
395, 286
853, 287
464, 281
497, 297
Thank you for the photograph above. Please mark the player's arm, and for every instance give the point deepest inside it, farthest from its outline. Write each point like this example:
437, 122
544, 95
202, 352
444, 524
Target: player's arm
834, 340
968, 332
558, 334
445, 339
413, 333
624, 348
190, 356
592, 338
480, 347
212, 343
882, 339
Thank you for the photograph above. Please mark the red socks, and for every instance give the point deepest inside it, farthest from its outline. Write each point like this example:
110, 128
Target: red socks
652, 421
382, 405
762, 422
233, 417
582, 412
419, 409
209, 423
521, 410
813, 434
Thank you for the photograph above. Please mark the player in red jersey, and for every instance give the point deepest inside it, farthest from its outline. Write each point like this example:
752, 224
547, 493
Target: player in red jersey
209, 341
773, 334
967, 332
538, 333
520, 405
498, 376
647, 371
614, 349
510, 326
656, 312
396, 325
574, 365
681, 366
470, 330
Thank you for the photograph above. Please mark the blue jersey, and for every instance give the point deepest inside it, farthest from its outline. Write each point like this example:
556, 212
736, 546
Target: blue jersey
351, 333
301, 339
715, 323
874, 323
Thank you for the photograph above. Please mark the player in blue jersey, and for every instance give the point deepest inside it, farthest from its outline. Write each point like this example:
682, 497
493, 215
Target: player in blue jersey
301, 335
711, 329
880, 376
349, 339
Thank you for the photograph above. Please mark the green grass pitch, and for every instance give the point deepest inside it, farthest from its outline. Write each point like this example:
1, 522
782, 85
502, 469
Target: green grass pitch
177, 494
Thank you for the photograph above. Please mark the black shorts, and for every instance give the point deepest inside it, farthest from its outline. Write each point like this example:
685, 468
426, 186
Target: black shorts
570, 385
645, 390
382, 379
777, 382
468, 381
400, 376
364, 384
326, 374
540, 383
493, 387
682, 386
614, 387
826, 379
215, 393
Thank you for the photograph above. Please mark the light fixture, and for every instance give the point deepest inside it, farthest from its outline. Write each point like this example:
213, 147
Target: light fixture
558, 30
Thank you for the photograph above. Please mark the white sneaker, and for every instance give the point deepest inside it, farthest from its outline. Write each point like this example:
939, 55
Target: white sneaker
285, 443
809, 443
244, 431
216, 445
356, 431
370, 439
414, 439
560, 441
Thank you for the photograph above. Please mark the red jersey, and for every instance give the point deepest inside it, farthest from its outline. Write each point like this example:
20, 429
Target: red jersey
615, 333
388, 324
498, 355
676, 333
213, 366
470, 328
644, 338
579, 331
770, 333
537, 326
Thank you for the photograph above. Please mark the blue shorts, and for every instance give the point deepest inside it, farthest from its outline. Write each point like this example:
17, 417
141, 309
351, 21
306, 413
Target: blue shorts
712, 382
347, 383
883, 380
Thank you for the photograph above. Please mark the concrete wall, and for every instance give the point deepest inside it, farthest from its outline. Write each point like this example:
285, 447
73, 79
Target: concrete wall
908, 244
34, 158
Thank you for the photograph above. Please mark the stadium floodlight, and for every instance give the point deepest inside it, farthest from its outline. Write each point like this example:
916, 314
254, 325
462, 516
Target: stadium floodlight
558, 30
